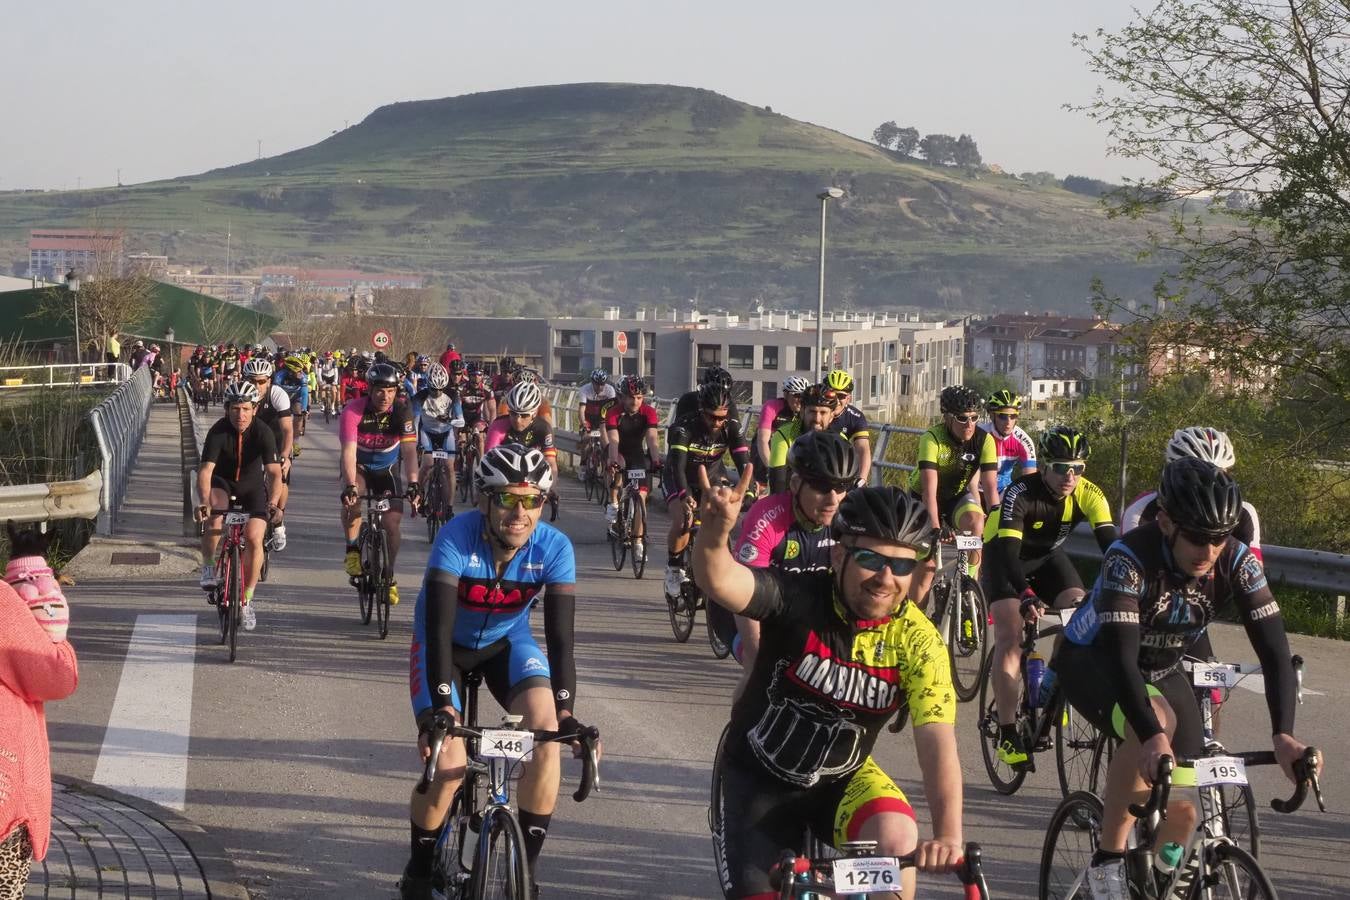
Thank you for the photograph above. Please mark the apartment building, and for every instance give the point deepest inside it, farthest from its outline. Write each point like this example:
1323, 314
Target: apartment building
1046, 356
52, 252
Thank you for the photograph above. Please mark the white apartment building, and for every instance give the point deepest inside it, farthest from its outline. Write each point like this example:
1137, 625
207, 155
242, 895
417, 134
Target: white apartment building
1046, 356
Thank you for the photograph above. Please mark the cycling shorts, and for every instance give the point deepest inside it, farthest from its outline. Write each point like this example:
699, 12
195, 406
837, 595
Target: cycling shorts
382, 481
509, 666
428, 441
1092, 689
250, 497
672, 492
756, 816
955, 507
1048, 576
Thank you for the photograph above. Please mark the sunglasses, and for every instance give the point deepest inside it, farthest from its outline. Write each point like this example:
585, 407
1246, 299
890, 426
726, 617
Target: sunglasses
967, 420
1011, 417
512, 501
875, 562
828, 487
715, 419
1202, 539
1068, 468
522, 415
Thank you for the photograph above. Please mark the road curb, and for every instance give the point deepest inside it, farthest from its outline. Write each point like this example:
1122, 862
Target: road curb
217, 868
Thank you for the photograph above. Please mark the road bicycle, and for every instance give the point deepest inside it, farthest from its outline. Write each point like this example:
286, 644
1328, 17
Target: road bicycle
1211, 865
480, 853
628, 533
858, 872
436, 509
1043, 719
467, 459
683, 609
372, 585
228, 594
593, 467
961, 614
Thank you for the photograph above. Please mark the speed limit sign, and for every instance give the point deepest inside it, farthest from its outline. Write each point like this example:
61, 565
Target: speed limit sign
380, 340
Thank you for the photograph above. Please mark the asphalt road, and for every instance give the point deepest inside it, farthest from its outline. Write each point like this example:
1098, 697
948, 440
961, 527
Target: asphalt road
302, 753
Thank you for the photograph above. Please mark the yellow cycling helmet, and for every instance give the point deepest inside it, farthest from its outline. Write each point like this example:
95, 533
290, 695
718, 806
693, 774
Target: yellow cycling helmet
839, 380
295, 363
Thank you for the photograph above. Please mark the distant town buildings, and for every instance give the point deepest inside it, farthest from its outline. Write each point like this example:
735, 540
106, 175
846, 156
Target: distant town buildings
1047, 357
346, 281
52, 252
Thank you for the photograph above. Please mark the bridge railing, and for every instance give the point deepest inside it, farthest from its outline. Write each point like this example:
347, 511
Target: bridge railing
63, 375
119, 427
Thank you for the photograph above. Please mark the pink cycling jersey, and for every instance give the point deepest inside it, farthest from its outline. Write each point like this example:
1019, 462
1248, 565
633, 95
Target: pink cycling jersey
770, 412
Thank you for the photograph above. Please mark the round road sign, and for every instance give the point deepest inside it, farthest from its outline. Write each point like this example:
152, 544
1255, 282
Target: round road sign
621, 342
380, 340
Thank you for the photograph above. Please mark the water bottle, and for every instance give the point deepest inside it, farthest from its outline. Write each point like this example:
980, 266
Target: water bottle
1165, 863
1035, 674
1048, 682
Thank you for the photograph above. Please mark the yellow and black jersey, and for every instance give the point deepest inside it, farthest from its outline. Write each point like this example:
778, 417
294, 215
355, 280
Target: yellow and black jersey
1041, 521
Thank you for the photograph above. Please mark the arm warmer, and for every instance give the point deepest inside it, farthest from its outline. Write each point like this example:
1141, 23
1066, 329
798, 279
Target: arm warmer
559, 615
1133, 693
442, 602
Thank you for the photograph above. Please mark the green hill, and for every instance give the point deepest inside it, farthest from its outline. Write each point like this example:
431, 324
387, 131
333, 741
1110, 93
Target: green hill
548, 196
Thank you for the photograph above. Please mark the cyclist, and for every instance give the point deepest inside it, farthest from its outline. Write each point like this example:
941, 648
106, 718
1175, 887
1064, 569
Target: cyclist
237, 452
437, 410
689, 402
1026, 560
487, 570
474, 399
353, 379
327, 373
416, 378
696, 442
230, 364
850, 421
593, 395
531, 376
1015, 448
522, 425
203, 367
505, 378
633, 444
1120, 663
789, 532
837, 648
378, 438
274, 410
951, 454
456, 370
818, 407
773, 413
292, 379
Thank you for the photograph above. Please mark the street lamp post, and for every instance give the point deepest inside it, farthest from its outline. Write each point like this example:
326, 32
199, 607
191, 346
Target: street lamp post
825, 196
73, 285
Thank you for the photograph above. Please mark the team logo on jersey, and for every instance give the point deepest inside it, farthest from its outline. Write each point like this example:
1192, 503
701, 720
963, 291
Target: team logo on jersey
748, 552
1036, 526
866, 687
1121, 574
792, 550
1251, 577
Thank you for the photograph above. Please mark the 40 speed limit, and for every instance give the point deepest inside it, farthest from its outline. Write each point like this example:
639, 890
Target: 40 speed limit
864, 874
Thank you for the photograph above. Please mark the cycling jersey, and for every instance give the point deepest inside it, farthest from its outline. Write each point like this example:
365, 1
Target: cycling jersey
632, 429
823, 684
296, 388
691, 443
275, 406
377, 436
955, 463
538, 434
771, 412
1032, 523
1145, 509
240, 456
781, 442
1017, 449
482, 608
1143, 616
773, 536
328, 373
592, 399
850, 423
436, 410
688, 403
471, 400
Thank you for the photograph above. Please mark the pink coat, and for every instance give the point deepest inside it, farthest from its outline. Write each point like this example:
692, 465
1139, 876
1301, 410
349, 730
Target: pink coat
33, 669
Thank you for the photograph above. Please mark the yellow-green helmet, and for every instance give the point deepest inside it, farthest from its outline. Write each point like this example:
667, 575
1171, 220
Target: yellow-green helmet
839, 380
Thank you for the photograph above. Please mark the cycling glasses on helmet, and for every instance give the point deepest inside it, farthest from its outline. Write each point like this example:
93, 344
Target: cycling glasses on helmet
873, 561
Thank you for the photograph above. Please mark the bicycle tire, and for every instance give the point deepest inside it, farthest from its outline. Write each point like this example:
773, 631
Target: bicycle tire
1240, 820
967, 637
618, 540
1234, 874
381, 582
1076, 749
470, 486
267, 553
222, 610
500, 870
1004, 778
1075, 829
636, 515
364, 592
448, 874
682, 609
235, 590
721, 649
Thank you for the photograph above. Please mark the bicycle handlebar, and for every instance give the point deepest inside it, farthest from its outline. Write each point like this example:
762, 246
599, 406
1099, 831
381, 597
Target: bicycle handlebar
969, 871
1305, 770
1158, 793
1305, 773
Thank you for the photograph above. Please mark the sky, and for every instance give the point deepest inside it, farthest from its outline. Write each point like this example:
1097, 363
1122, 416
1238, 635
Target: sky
160, 88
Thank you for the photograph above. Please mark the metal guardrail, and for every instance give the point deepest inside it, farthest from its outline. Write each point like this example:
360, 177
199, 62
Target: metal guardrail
56, 500
119, 427
192, 432
63, 375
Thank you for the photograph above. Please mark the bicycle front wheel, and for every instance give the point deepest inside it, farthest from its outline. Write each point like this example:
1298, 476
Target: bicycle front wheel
1231, 874
636, 518
682, 613
1077, 755
720, 648
365, 591
381, 581
1238, 812
1005, 778
967, 636
501, 871
1074, 833
618, 544
222, 608
234, 591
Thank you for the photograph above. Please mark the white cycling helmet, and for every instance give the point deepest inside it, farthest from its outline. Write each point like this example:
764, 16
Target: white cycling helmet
513, 465
1200, 442
524, 398
257, 368
795, 384
437, 376
241, 392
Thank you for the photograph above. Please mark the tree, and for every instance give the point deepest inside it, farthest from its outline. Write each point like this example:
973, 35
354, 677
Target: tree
907, 141
107, 306
938, 149
1227, 96
885, 134
966, 153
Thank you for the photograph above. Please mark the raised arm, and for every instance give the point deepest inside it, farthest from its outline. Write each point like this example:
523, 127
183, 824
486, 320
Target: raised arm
722, 580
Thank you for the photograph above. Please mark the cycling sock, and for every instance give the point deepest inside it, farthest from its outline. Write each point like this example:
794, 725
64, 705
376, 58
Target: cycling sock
535, 828
1102, 857
423, 849
352, 545
248, 595
675, 560
1007, 732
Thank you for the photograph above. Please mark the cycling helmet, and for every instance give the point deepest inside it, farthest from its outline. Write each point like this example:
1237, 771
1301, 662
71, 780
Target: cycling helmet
1208, 444
328, 354
513, 465
632, 386
241, 392
824, 456
529, 375
1002, 400
456, 367
258, 367
885, 513
715, 374
795, 385
474, 370
713, 396
154, 348
421, 360
382, 375
295, 363
599, 376
437, 377
361, 364
839, 380
524, 398
957, 398
1198, 495
819, 395
1064, 442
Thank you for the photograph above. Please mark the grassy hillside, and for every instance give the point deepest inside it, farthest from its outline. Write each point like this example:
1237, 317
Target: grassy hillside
623, 193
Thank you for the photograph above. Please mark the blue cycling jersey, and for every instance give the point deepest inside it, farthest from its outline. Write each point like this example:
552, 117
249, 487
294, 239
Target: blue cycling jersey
295, 386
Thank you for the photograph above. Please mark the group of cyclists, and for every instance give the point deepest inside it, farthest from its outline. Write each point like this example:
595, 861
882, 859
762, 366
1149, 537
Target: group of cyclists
821, 575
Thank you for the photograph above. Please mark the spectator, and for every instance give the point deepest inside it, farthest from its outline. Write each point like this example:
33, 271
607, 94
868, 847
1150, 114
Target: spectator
112, 355
450, 355
138, 355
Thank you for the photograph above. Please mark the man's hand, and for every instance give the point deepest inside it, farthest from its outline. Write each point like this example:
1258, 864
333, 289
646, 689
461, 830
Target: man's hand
424, 733
938, 855
349, 497
1289, 750
414, 494
1031, 606
273, 513
722, 505
202, 513
286, 465
1150, 751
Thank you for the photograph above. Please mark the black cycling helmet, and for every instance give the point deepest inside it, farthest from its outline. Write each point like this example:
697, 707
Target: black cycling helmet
885, 513
632, 386
713, 396
1063, 442
1199, 496
382, 375
957, 398
824, 456
715, 374
820, 395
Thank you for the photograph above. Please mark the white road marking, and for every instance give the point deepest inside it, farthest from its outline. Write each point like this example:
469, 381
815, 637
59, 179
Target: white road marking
1257, 685
145, 749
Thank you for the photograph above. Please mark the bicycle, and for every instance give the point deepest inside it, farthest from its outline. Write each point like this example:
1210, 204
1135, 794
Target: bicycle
228, 594
859, 872
467, 457
481, 851
593, 467
630, 526
961, 614
372, 585
436, 512
1210, 865
1042, 720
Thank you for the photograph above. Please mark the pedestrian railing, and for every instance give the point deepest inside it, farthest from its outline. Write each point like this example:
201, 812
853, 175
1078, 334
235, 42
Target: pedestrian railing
119, 427
63, 375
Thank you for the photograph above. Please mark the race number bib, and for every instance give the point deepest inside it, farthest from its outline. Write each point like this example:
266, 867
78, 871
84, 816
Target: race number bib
500, 743
865, 875
1214, 770
236, 518
440, 454
380, 506
1214, 675
637, 474
969, 542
